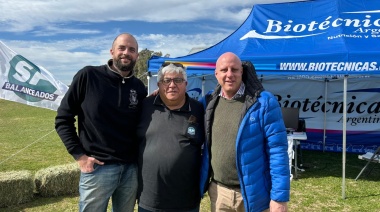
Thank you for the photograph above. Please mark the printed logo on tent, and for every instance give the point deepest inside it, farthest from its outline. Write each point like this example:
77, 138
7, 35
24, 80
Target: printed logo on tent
27, 82
362, 24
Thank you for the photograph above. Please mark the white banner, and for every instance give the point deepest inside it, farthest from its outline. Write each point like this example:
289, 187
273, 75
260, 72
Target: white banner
24, 82
321, 106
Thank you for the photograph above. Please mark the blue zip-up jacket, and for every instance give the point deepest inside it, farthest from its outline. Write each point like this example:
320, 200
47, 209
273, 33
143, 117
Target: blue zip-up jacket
261, 146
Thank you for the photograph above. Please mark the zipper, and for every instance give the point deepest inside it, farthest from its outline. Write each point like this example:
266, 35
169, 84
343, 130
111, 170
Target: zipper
120, 90
119, 103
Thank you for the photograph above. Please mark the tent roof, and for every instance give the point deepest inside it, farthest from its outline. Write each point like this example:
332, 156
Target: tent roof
321, 37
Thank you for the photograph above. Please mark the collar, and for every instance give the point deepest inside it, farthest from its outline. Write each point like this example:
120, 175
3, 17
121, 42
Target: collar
109, 65
185, 108
238, 94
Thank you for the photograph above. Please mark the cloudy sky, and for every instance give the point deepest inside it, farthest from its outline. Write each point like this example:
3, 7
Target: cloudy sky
65, 35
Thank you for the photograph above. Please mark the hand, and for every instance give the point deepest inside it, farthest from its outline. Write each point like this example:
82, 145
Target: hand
278, 206
86, 164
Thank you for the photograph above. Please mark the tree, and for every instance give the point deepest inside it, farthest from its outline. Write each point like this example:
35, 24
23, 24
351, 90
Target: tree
141, 68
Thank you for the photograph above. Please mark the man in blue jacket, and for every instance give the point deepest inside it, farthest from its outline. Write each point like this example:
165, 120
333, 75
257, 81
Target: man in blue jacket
246, 153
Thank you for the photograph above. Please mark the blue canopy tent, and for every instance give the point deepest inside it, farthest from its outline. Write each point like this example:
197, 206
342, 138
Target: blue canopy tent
327, 38
301, 34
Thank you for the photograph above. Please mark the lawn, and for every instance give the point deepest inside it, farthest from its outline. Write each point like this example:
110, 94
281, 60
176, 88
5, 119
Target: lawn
28, 142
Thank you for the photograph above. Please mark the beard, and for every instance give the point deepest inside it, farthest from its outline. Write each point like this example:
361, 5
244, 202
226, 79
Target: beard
124, 67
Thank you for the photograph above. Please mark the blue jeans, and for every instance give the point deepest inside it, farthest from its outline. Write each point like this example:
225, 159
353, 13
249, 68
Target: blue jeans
118, 181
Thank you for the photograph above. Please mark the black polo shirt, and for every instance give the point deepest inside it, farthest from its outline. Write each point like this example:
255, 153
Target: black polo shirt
170, 155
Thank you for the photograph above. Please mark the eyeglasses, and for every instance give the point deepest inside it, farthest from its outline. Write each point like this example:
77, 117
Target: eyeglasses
175, 64
177, 81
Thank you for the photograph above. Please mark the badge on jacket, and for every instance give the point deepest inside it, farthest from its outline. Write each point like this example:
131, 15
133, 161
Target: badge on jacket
133, 101
191, 132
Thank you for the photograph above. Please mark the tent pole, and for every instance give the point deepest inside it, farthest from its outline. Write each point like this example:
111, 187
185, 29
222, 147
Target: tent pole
325, 117
344, 137
203, 85
148, 79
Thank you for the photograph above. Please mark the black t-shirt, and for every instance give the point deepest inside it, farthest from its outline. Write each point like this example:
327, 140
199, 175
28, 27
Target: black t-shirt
170, 155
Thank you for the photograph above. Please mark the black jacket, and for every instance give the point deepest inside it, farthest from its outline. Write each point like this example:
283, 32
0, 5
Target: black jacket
107, 107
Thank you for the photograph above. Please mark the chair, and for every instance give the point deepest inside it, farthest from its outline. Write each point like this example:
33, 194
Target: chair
370, 157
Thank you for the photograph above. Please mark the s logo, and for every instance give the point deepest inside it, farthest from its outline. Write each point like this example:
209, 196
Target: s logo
26, 78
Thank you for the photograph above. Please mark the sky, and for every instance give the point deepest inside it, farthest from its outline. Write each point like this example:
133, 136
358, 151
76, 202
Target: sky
63, 36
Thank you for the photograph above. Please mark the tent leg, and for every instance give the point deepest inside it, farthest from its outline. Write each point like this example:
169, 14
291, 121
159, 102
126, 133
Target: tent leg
325, 118
344, 137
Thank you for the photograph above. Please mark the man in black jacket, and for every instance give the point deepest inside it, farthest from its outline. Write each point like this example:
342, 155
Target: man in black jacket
106, 100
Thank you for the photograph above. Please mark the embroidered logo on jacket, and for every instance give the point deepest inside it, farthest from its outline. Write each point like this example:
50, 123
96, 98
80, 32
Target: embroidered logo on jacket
191, 131
133, 98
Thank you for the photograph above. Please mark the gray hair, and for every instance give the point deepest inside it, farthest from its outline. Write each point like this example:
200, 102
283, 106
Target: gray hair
171, 68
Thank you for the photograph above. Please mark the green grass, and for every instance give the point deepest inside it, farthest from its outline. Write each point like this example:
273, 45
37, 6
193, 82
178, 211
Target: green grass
28, 142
